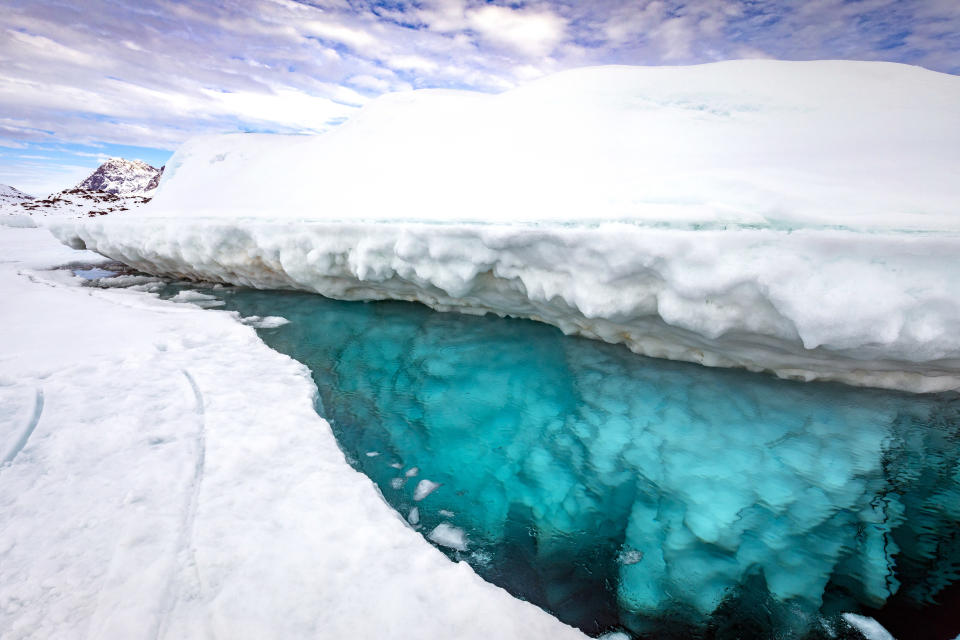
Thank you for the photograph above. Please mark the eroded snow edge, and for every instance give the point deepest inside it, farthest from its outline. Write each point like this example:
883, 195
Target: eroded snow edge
868, 309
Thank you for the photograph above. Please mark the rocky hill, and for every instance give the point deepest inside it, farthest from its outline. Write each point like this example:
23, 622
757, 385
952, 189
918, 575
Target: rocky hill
123, 178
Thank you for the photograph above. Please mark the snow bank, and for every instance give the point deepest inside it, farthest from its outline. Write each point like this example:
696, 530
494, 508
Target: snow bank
165, 475
796, 217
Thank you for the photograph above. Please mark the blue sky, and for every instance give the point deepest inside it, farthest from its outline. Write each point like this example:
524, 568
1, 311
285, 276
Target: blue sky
82, 81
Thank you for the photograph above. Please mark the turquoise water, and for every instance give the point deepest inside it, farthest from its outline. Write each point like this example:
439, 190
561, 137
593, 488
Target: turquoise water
622, 492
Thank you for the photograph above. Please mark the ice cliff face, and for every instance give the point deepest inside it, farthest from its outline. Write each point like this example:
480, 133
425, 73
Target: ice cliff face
796, 217
122, 177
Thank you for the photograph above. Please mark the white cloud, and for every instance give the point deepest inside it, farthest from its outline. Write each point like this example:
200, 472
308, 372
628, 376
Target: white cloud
411, 62
530, 32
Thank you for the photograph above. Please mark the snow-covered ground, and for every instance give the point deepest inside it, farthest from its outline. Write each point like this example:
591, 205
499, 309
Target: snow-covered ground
794, 217
10, 196
164, 474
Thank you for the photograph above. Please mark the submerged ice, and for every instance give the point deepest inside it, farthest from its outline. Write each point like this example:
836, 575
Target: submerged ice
615, 490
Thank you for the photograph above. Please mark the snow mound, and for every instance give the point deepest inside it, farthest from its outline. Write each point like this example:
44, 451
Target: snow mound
795, 217
750, 142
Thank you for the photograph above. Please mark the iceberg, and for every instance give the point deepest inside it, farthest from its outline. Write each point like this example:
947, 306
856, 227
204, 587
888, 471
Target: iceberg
792, 217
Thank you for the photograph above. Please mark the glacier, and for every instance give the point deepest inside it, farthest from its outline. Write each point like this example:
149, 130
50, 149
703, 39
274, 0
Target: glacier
798, 218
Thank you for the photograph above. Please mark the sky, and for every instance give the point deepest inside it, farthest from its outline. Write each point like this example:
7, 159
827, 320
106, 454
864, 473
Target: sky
84, 81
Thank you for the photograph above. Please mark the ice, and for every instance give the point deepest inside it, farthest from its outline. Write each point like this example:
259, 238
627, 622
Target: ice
94, 273
447, 535
414, 516
791, 217
424, 489
197, 298
268, 322
605, 486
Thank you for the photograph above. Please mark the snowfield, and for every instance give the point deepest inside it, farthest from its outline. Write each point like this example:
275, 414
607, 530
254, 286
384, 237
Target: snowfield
793, 217
164, 474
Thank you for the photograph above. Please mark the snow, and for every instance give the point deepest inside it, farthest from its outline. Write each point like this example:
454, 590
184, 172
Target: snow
76, 203
10, 195
117, 185
166, 475
792, 217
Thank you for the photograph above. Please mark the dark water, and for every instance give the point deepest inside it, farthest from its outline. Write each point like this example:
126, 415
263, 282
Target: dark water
622, 492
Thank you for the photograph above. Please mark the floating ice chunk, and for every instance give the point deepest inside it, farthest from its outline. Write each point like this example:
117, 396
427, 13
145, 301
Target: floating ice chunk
132, 282
189, 295
396, 465
397, 483
200, 299
614, 635
265, 322
412, 471
414, 516
445, 513
870, 628
447, 535
372, 454
425, 488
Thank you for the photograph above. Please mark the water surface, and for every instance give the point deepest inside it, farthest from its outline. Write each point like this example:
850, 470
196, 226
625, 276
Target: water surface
622, 492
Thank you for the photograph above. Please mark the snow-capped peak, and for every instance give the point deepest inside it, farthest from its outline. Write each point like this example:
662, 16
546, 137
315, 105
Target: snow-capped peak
9, 195
122, 177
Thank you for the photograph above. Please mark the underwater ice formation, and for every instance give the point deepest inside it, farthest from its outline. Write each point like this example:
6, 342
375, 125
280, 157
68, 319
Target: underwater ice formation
563, 468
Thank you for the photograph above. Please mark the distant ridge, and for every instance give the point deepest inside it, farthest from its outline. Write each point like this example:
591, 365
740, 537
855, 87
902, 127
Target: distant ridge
117, 185
10, 195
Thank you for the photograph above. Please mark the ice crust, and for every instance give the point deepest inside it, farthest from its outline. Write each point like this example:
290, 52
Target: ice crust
796, 217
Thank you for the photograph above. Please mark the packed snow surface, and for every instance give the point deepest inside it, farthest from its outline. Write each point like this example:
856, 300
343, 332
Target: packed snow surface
797, 217
165, 475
